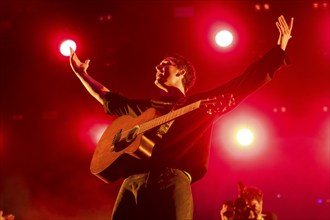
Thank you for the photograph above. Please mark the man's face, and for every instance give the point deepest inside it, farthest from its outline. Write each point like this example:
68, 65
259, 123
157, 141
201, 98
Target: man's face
256, 207
168, 74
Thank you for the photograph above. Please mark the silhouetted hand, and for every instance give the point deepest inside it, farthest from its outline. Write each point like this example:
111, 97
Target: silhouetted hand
285, 31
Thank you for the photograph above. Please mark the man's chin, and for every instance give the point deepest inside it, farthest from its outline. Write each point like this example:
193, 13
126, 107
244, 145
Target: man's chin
160, 85
159, 82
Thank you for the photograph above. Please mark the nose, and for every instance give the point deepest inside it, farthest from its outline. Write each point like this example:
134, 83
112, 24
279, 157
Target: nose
159, 67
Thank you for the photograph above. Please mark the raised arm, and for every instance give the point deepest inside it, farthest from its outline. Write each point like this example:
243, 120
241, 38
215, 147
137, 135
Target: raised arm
96, 89
284, 31
223, 210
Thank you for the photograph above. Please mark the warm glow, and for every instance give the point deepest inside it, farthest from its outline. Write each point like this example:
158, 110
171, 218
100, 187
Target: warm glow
245, 137
91, 130
95, 132
65, 47
224, 38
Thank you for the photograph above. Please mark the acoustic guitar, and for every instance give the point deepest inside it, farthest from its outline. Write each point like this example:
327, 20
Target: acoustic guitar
123, 141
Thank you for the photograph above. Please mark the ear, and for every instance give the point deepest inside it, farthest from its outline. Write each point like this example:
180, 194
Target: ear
181, 72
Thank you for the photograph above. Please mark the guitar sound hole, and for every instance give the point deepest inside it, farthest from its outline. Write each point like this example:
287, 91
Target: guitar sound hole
120, 144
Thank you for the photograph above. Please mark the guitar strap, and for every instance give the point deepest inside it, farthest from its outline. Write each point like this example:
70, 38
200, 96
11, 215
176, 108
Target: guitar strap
163, 129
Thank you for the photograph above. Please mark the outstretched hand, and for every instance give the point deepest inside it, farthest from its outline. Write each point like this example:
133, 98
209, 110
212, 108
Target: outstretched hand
223, 210
284, 31
76, 65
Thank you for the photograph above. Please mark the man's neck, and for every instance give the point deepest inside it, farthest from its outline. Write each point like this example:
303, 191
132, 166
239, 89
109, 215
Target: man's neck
172, 92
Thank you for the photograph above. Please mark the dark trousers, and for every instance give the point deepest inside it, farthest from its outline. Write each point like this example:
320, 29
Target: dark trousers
156, 195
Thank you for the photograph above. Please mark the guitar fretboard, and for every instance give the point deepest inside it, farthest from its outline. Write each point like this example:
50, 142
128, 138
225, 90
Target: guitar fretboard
168, 117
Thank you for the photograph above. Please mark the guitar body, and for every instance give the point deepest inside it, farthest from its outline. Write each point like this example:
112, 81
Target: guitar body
121, 146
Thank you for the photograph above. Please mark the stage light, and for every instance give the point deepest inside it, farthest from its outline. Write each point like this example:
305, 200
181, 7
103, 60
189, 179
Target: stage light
91, 129
281, 109
257, 7
65, 47
319, 201
266, 6
95, 132
245, 137
320, 5
224, 38
103, 18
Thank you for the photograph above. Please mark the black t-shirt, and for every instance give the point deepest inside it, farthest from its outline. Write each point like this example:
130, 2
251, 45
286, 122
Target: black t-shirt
186, 144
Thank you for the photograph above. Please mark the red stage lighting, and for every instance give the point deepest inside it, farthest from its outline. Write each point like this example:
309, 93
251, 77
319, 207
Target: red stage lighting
95, 132
245, 137
224, 38
65, 47
91, 129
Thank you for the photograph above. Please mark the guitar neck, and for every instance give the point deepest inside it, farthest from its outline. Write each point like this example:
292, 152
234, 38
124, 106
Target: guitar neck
168, 117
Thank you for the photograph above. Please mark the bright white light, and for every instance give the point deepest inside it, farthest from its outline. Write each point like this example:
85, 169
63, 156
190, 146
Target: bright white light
224, 38
96, 131
226, 133
65, 47
245, 137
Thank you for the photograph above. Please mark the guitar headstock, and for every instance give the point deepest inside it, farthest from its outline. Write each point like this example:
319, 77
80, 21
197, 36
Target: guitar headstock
219, 104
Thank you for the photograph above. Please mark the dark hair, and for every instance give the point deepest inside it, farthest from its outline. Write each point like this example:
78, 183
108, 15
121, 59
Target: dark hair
190, 75
251, 193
